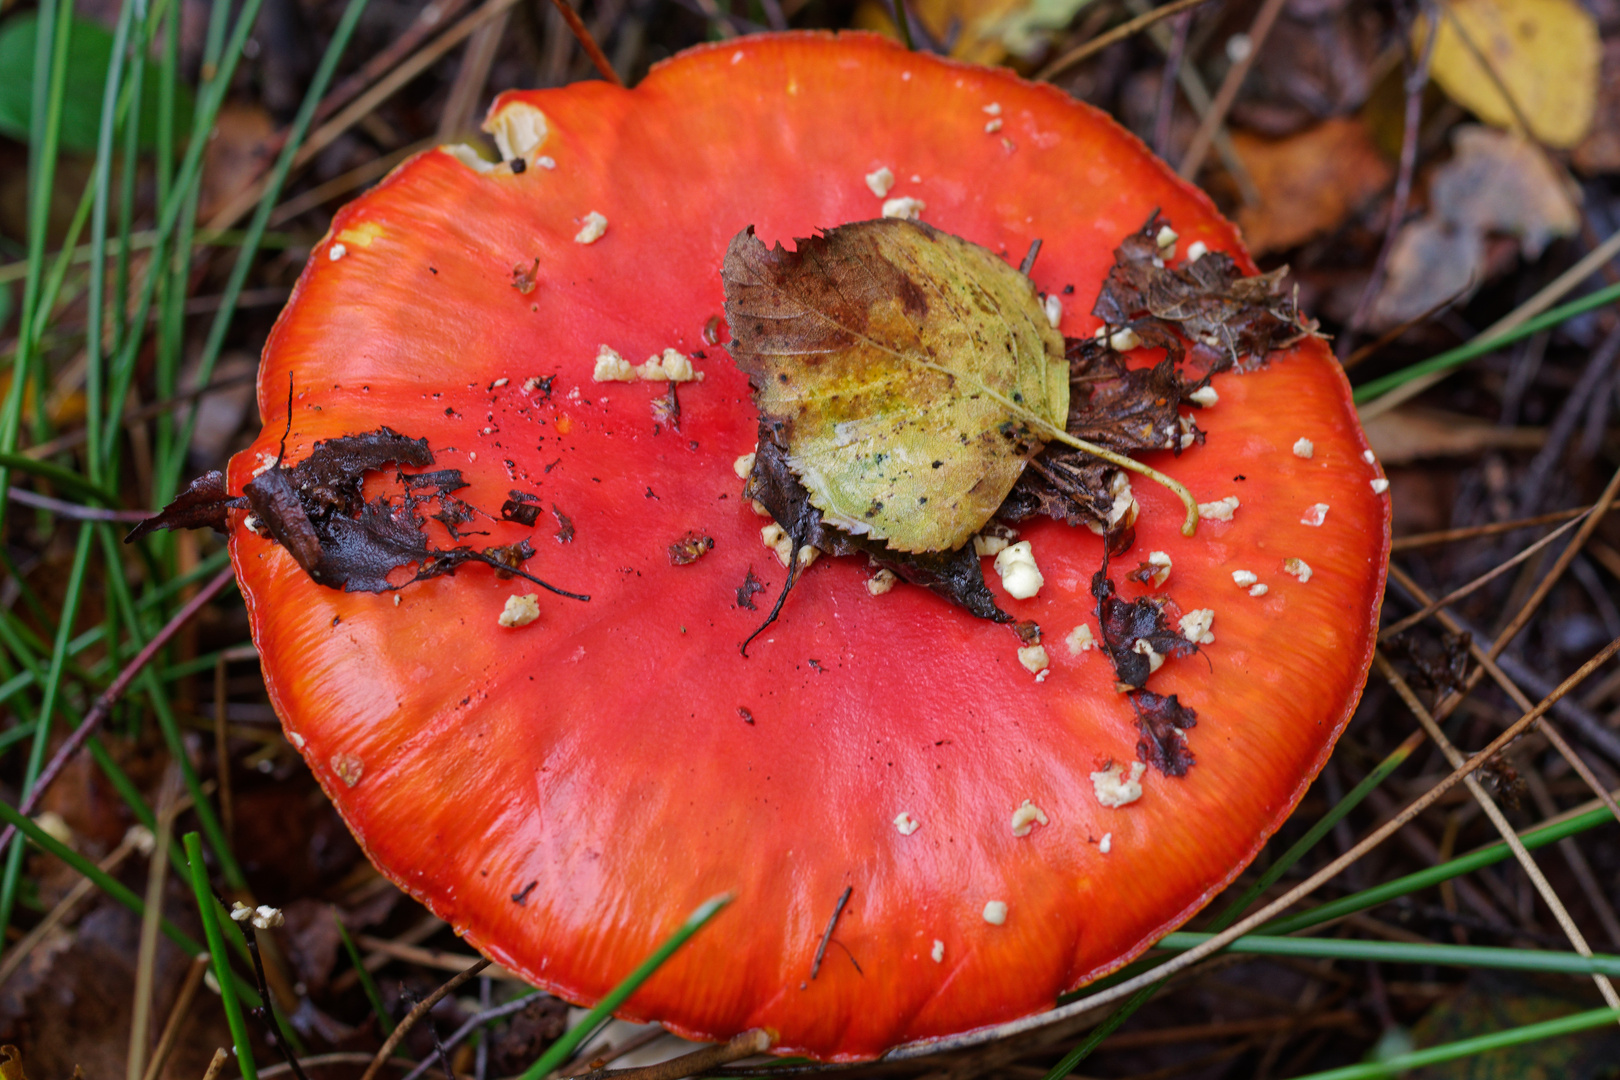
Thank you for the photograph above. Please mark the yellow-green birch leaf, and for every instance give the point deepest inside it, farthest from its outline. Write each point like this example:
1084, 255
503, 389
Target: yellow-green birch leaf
908, 374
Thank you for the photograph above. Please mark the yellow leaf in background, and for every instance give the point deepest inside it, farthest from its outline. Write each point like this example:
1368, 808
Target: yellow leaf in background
1545, 53
12, 1067
980, 31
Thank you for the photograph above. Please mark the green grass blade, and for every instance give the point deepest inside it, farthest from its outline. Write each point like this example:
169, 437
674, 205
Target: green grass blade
208, 907
1425, 879
42, 725
1497, 1040
167, 482
95, 458
1323, 826
1482, 345
1403, 952
385, 1023
560, 1050
50, 82
209, 102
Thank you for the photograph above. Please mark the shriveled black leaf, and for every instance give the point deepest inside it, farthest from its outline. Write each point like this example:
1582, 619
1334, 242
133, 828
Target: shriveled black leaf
1209, 300
329, 479
1131, 629
204, 503
522, 508
317, 512
1161, 721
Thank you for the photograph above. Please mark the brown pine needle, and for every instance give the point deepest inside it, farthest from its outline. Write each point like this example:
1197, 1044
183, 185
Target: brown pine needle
1198, 149
1527, 863
1461, 591
421, 1009
1118, 33
1470, 532
749, 1043
586, 41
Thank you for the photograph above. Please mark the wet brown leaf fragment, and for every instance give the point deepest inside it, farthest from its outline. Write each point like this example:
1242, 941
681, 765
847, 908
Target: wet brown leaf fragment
565, 526
690, 548
522, 508
204, 502
1135, 632
1208, 300
317, 512
1162, 721
1123, 408
746, 592
667, 409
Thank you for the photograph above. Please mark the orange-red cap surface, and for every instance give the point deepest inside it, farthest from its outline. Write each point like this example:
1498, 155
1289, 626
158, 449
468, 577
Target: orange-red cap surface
566, 792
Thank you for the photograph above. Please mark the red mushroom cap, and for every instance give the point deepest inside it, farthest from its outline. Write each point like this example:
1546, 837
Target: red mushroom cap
566, 792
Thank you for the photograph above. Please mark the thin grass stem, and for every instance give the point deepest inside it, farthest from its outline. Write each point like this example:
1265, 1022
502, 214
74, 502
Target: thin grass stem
1496, 1040
249, 249
208, 907
42, 722
385, 1023
1486, 343
1404, 952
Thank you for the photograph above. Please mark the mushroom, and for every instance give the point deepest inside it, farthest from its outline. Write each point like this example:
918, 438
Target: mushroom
564, 789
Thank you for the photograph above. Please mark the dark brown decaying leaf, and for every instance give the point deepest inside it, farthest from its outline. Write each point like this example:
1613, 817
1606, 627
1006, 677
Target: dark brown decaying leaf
522, 508
1130, 629
316, 510
1134, 633
1227, 316
1162, 720
204, 502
